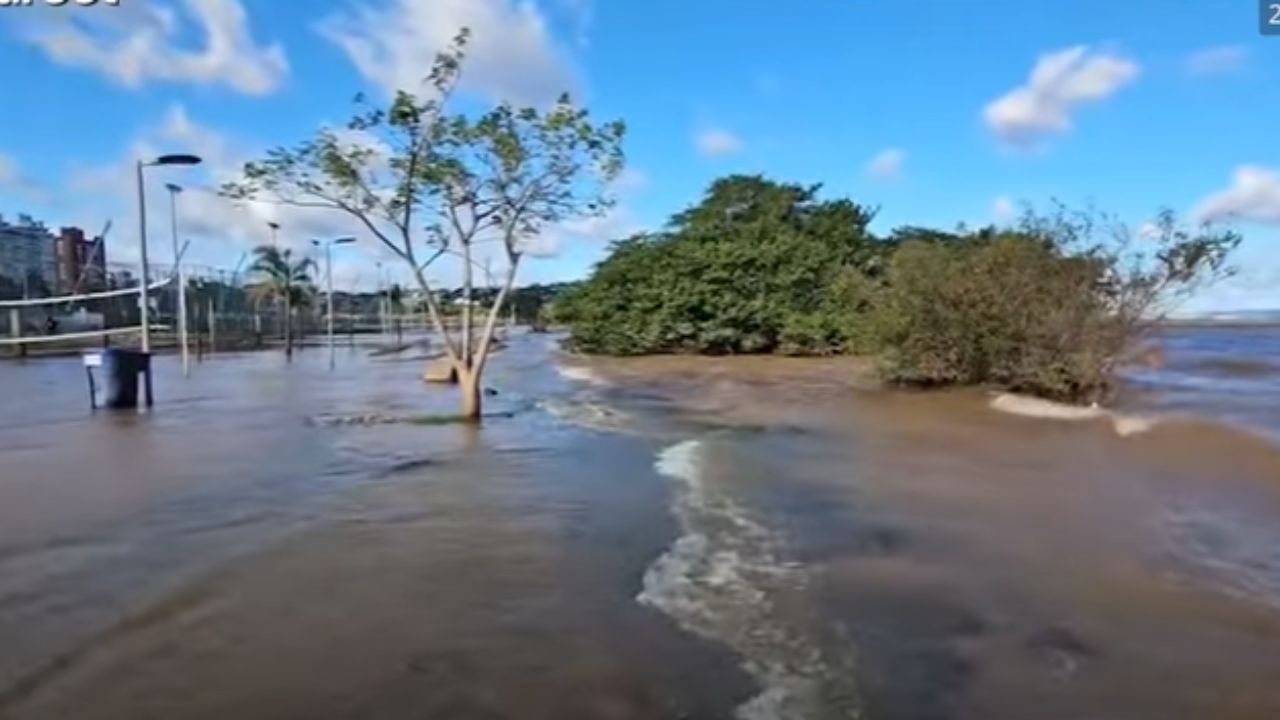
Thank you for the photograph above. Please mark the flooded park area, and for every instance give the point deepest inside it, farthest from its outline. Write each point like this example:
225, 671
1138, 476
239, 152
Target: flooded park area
656, 537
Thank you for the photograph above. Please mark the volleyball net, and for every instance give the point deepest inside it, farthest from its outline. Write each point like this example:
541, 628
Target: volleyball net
225, 311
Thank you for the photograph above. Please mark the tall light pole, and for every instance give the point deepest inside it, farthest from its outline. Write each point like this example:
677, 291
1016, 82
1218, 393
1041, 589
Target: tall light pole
382, 316
275, 243
328, 280
174, 191
145, 309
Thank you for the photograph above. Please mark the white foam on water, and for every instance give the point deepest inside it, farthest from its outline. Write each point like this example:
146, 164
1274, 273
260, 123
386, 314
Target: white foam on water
716, 581
1033, 407
1127, 425
586, 413
577, 373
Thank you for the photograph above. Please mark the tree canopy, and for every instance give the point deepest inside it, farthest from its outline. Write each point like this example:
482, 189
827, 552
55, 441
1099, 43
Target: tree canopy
749, 269
431, 182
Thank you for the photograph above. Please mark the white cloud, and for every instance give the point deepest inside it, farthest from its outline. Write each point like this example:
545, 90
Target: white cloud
1222, 60
1059, 84
511, 56
1253, 196
137, 44
887, 164
616, 224
1003, 209
8, 172
220, 230
631, 180
717, 142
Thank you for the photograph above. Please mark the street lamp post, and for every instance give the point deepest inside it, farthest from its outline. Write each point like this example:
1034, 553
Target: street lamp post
174, 191
288, 319
145, 309
328, 273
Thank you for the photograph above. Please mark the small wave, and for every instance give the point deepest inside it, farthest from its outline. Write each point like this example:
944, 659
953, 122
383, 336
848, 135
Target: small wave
1238, 367
586, 413
1026, 406
718, 580
1240, 550
578, 373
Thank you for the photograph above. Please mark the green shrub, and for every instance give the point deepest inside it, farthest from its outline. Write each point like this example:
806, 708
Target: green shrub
1047, 310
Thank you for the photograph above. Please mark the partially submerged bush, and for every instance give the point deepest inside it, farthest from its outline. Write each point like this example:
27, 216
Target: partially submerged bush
1049, 309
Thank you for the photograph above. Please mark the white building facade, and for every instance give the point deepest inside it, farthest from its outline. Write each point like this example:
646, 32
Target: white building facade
28, 251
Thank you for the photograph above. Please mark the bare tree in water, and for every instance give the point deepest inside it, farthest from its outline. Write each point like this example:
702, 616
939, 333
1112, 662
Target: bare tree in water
428, 182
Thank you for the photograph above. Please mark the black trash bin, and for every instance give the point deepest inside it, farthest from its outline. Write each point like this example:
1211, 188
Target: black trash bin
121, 370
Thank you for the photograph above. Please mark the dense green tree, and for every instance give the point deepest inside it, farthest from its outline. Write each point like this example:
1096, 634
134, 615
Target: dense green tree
749, 269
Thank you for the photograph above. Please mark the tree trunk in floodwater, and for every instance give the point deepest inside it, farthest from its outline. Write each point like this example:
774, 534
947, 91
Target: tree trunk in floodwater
472, 398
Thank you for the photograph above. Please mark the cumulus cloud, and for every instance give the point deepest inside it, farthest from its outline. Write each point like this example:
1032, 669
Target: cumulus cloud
617, 223
717, 142
1253, 196
511, 56
631, 180
1059, 84
1222, 60
8, 172
887, 164
220, 230
1003, 209
141, 43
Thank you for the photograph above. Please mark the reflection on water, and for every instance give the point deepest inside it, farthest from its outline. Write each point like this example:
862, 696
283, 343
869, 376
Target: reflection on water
645, 538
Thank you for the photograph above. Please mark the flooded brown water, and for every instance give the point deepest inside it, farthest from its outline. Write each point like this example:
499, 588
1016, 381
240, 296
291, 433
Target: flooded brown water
651, 538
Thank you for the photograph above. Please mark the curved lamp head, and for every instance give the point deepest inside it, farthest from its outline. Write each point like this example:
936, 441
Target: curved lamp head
177, 160
173, 188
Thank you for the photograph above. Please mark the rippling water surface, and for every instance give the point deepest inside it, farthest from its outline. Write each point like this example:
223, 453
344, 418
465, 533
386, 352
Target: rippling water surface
647, 538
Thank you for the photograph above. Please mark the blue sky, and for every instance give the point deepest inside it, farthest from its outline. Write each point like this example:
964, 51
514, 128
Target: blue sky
937, 111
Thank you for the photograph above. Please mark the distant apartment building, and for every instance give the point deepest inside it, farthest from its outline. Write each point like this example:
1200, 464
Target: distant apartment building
28, 255
82, 263
35, 262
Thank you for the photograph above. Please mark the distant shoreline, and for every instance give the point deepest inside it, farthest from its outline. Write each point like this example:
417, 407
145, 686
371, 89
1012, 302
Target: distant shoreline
1225, 323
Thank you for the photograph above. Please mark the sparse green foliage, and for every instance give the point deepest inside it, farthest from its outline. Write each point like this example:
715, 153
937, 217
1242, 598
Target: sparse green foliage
428, 182
1049, 309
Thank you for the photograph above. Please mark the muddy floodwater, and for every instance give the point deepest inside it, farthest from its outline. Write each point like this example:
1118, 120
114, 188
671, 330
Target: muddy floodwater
640, 538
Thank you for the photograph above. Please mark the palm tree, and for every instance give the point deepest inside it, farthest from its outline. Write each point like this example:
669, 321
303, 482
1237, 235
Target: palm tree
395, 304
279, 277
